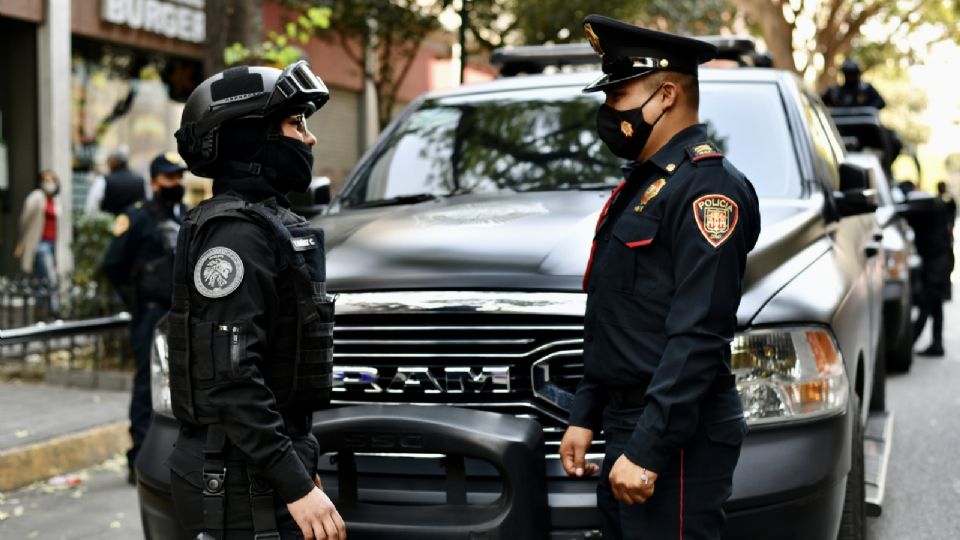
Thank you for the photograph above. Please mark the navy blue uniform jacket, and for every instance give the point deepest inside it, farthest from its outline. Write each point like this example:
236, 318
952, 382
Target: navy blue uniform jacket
664, 284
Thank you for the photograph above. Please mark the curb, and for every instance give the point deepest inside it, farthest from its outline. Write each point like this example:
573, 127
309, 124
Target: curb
23, 465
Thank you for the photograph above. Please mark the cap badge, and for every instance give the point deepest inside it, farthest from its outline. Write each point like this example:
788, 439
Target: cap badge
664, 63
626, 128
172, 157
592, 38
716, 217
218, 272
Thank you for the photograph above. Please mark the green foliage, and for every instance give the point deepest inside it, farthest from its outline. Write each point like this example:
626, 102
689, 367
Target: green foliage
91, 238
398, 27
559, 21
279, 49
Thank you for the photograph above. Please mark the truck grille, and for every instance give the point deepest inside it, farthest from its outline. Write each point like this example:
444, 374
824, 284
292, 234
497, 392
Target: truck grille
524, 365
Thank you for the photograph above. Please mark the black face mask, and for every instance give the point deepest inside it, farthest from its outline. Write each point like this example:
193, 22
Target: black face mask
626, 132
294, 165
171, 196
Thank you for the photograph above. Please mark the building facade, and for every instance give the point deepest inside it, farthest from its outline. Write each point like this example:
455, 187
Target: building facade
84, 77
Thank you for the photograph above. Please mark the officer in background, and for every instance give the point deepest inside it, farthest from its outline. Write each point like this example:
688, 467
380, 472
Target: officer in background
934, 243
139, 265
949, 202
119, 189
854, 92
663, 287
251, 328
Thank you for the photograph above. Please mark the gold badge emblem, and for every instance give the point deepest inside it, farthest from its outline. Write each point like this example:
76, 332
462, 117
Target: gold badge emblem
671, 167
592, 38
626, 129
652, 191
173, 157
717, 217
120, 225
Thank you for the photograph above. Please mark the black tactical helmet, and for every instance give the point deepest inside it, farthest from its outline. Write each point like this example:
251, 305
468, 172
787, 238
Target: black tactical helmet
242, 92
850, 66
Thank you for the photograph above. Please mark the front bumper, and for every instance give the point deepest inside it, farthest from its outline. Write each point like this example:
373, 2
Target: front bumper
789, 483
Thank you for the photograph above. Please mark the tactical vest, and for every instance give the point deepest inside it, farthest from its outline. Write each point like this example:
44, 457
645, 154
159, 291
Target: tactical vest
153, 278
298, 369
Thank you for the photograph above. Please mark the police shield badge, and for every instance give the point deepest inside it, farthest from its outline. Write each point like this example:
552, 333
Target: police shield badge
716, 216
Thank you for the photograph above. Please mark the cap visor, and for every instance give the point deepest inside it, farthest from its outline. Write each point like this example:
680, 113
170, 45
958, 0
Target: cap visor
609, 80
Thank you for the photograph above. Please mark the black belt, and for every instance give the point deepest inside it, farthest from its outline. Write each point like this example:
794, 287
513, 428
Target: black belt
635, 396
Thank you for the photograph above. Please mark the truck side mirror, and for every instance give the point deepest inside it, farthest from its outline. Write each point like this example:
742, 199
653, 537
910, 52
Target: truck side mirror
314, 201
857, 195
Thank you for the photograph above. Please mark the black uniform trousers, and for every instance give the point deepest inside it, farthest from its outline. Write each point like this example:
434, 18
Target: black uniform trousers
688, 498
141, 405
186, 486
935, 289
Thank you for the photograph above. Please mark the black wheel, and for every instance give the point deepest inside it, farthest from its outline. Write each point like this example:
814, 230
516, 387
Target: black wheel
854, 520
878, 396
900, 356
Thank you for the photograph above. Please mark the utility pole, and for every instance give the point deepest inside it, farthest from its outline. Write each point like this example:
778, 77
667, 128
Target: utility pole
371, 123
464, 22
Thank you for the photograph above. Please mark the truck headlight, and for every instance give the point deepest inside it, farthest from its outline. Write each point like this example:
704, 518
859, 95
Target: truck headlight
160, 374
789, 374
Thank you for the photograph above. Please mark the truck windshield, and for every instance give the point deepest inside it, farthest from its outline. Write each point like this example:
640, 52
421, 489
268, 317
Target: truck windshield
545, 139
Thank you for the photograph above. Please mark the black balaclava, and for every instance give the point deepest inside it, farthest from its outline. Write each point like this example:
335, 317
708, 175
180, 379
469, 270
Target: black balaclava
258, 161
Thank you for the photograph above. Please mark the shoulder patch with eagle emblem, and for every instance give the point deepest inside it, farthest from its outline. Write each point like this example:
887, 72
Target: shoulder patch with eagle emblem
218, 272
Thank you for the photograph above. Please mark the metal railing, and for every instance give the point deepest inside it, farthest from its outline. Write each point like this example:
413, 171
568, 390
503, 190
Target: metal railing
84, 326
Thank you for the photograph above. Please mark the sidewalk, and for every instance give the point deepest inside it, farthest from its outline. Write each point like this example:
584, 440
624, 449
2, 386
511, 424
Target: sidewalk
47, 430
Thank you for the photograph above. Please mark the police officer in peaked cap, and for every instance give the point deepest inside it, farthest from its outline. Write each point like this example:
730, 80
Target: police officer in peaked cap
663, 286
251, 326
139, 265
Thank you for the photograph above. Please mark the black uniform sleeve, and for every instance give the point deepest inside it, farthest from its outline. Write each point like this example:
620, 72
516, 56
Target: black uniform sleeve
873, 98
701, 320
118, 261
588, 405
246, 406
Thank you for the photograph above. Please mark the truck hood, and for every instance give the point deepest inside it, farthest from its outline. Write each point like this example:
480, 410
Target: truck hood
530, 241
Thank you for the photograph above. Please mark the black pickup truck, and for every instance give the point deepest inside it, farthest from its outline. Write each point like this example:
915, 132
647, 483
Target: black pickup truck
457, 248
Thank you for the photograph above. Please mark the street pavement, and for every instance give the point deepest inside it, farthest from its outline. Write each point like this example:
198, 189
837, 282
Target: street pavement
923, 485
922, 492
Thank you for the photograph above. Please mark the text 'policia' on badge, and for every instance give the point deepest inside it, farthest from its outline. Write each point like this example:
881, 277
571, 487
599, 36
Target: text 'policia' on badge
716, 216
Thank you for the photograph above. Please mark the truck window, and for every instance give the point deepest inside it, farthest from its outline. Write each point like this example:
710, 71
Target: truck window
545, 139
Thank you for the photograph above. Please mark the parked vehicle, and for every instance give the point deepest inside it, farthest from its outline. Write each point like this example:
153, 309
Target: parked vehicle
896, 237
458, 246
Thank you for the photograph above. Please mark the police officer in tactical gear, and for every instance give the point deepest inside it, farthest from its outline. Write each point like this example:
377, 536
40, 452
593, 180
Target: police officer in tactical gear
934, 242
854, 92
139, 265
663, 286
251, 328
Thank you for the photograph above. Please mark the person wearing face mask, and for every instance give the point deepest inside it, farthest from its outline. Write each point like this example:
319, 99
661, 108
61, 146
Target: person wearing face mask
36, 248
250, 334
663, 286
139, 265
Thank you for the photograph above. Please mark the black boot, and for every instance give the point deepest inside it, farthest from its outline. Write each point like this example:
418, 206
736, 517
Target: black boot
934, 349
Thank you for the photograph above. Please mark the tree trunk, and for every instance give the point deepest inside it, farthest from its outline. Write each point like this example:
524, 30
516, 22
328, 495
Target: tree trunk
229, 22
777, 32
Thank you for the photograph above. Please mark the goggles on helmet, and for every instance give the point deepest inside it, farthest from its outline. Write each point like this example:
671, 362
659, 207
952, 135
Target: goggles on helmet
296, 85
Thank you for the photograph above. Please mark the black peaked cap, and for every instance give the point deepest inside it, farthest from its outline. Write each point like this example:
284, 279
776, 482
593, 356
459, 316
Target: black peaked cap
629, 51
